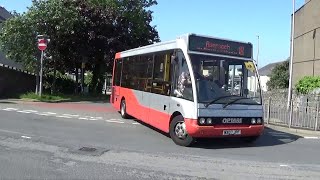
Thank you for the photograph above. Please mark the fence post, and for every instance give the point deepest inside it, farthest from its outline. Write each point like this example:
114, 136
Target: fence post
269, 110
290, 114
317, 117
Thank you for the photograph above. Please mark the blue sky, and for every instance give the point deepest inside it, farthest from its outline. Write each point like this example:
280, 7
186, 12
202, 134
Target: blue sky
232, 19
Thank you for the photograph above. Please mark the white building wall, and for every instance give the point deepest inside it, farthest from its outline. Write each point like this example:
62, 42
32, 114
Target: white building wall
263, 83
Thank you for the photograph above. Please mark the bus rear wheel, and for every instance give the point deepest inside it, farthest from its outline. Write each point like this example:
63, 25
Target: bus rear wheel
178, 132
123, 110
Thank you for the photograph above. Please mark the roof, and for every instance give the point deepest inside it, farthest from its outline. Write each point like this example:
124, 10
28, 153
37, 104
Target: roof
267, 70
4, 15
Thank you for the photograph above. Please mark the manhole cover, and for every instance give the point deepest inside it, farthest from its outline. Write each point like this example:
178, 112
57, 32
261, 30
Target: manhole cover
88, 149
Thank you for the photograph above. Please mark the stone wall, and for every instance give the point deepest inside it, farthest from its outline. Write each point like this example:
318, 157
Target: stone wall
13, 81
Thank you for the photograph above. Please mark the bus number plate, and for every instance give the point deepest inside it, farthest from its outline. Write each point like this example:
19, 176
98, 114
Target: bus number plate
231, 132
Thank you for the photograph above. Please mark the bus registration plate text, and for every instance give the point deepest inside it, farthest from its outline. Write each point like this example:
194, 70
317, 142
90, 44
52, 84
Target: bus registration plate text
231, 132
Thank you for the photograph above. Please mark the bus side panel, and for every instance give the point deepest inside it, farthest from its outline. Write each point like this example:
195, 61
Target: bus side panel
143, 112
132, 102
159, 108
115, 97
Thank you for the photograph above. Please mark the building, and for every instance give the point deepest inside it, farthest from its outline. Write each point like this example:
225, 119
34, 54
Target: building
12, 72
265, 74
4, 15
306, 58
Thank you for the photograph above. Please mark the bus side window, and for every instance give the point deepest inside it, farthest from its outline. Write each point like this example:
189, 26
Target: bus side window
161, 82
182, 86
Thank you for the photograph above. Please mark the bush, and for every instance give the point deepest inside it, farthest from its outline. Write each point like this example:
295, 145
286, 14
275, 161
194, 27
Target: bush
308, 84
64, 84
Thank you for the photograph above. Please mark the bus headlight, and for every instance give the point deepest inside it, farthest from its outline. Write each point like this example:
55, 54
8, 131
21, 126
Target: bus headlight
253, 121
202, 121
209, 121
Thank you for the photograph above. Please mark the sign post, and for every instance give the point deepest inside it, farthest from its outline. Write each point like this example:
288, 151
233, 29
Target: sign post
42, 46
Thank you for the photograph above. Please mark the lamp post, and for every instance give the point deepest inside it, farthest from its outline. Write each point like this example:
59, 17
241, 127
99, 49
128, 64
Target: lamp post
291, 57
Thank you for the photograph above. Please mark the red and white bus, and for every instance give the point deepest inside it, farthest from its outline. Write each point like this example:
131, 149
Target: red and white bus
192, 87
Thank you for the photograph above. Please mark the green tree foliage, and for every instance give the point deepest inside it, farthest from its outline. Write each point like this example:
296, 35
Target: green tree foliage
279, 77
90, 31
307, 84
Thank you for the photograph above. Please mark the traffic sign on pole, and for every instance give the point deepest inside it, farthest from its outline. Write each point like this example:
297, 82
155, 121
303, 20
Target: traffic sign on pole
42, 44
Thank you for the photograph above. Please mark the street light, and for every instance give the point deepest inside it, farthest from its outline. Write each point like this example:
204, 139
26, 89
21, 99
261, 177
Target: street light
291, 57
257, 62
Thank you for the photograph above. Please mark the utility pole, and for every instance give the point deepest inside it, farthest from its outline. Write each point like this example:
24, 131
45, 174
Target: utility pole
255, 77
291, 56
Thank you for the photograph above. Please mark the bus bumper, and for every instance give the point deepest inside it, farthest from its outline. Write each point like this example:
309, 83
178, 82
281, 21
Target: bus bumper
194, 130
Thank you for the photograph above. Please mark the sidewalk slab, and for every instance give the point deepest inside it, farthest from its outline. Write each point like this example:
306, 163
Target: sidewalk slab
308, 134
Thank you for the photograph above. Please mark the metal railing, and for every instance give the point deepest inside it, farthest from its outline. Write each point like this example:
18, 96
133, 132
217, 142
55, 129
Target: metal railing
304, 115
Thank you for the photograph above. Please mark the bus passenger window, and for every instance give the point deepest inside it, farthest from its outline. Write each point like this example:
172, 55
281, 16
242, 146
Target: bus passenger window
161, 83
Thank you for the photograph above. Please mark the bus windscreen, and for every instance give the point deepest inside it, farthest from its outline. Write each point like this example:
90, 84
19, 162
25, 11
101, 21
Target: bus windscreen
219, 46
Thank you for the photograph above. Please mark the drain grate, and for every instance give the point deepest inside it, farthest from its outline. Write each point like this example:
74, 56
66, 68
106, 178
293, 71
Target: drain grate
88, 149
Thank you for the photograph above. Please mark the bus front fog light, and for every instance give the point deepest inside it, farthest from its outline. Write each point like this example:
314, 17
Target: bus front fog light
253, 121
259, 121
209, 121
202, 121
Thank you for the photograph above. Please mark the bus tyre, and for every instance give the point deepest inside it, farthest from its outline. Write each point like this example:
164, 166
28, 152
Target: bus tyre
178, 132
250, 139
123, 110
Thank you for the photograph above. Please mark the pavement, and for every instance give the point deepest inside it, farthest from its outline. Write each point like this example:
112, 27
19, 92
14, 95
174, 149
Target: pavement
91, 141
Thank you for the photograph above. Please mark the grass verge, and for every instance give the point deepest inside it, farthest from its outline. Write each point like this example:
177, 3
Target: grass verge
43, 98
64, 98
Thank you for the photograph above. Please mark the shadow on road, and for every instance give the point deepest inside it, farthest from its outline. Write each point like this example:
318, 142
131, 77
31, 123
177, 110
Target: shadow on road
7, 102
270, 137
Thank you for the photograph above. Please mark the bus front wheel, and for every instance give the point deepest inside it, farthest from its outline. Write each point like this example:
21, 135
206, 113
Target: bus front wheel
123, 109
178, 132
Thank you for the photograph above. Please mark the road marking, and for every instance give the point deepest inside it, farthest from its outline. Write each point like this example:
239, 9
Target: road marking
46, 113
83, 118
27, 111
310, 137
283, 165
93, 119
113, 121
10, 109
135, 123
72, 115
68, 117
51, 113
42, 114
26, 137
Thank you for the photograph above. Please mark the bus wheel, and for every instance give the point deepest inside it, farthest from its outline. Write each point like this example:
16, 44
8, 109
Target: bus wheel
178, 132
123, 110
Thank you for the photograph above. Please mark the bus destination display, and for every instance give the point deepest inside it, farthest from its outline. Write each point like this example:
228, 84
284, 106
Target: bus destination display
218, 46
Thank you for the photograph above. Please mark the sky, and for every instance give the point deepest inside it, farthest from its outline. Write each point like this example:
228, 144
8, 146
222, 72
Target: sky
241, 20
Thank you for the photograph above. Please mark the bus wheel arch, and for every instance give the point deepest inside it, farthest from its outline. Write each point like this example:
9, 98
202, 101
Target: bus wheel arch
178, 131
123, 108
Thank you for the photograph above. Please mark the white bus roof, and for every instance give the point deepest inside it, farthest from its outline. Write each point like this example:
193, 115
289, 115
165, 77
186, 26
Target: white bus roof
168, 45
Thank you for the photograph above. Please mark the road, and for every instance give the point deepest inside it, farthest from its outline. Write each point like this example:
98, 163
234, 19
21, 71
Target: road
90, 141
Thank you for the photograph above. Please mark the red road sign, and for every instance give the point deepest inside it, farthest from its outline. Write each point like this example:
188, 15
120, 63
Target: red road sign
42, 44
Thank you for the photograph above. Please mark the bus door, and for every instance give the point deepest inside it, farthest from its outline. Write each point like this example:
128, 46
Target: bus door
159, 101
115, 91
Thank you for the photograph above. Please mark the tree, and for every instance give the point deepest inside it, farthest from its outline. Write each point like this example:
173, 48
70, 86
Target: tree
80, 30
280, 76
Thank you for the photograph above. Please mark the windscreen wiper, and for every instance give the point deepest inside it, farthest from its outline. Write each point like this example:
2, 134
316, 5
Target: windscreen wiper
214, 100
231, 102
